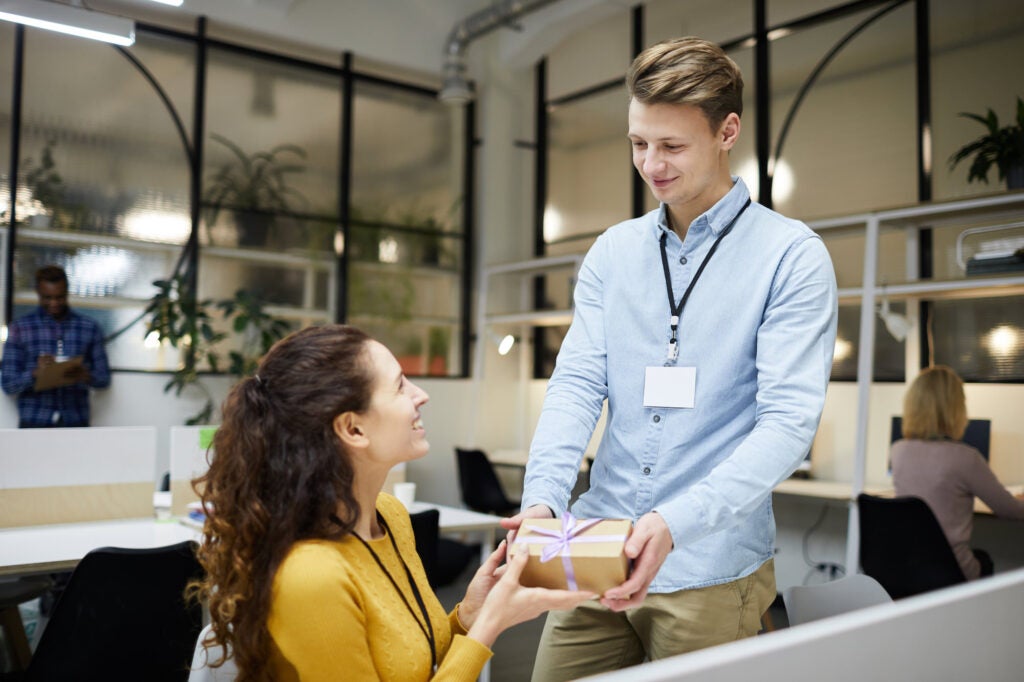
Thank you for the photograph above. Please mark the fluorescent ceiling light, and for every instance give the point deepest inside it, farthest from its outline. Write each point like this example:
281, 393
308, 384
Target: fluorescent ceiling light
76, 21
173, 3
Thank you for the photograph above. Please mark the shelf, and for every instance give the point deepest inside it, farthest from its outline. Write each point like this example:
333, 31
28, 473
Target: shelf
539, 318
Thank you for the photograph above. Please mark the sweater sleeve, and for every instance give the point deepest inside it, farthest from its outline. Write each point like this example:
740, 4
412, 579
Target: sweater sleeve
988, 489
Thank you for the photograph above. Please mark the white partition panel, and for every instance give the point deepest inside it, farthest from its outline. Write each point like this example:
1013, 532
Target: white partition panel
967, 632
79, 474
188, 451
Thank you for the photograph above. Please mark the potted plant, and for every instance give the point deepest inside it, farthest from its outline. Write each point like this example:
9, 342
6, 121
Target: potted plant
256, 188
46, 185
1002, 146
178, 317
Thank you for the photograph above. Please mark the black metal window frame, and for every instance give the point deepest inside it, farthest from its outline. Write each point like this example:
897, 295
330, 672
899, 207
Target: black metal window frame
347, 78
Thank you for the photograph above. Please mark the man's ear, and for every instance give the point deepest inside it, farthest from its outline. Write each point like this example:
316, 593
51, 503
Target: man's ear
348, 427
729, 132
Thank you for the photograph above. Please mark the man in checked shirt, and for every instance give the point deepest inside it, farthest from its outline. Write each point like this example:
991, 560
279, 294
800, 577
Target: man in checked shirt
53, 333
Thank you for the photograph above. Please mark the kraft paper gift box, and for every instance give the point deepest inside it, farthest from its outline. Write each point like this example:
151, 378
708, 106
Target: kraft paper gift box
574, 554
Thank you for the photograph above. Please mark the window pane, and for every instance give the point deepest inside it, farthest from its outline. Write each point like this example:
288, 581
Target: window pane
405, 241
270, 188
589, 166
104, 191
889, 360
982, 339
977, 48
709, 19
595, 54
876, 72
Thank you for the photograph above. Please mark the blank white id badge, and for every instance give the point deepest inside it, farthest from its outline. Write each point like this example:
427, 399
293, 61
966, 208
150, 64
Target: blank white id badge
670, 386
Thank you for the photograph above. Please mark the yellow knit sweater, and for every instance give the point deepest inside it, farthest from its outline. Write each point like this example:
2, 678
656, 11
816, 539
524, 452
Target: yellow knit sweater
334, 615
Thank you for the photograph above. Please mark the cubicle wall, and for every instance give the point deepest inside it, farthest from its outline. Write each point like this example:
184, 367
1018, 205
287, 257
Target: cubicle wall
190, 446
967, 632
82, 474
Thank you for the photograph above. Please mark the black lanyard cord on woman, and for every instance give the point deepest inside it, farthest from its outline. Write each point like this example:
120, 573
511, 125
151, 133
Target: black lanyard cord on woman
426, 627
677, 310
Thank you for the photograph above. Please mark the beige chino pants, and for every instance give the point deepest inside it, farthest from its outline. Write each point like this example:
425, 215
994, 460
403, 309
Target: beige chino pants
592, 639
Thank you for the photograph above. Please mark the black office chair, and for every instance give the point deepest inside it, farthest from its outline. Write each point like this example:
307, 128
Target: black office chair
902, 546
443, 559
11, 595
123, 616
481, 489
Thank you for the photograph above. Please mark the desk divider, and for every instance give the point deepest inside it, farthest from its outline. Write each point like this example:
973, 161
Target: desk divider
188, 452
72, 475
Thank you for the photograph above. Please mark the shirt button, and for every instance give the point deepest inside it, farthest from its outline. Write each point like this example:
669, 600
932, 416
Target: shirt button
682, 260
657, 418
647, 471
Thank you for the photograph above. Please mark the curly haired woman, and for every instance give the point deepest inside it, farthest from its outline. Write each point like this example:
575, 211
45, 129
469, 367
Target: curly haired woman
312, 572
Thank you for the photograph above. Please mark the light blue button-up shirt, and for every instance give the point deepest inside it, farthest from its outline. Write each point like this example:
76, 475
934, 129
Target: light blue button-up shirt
759, 327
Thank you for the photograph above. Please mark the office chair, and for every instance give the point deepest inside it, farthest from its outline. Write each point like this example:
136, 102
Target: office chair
123, 616
903, 547
201, 672
481, 489
805, 603
443, 559
12, 594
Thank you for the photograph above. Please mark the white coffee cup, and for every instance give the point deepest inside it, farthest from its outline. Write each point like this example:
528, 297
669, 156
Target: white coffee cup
406, 493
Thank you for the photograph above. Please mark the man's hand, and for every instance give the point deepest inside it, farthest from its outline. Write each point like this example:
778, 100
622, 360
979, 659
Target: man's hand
537, 511
77, 373
648, 545
42, 361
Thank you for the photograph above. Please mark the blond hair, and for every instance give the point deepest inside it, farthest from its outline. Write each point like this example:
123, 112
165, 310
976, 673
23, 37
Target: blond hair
688, 71
934, 406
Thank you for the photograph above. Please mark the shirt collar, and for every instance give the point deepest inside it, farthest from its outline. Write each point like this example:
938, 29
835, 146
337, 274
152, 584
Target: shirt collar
719, 216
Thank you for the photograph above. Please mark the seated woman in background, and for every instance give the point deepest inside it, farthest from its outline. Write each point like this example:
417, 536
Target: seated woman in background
312, 572
930, 462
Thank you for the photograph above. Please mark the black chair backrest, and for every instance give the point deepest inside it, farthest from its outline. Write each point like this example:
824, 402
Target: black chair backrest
902, 546
481, 489
123, 616
426, 527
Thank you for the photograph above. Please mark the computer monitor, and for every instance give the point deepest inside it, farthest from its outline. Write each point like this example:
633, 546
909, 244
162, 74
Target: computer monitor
976, 435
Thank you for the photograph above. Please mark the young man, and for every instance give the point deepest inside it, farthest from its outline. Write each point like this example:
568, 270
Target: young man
708, 325
53, 333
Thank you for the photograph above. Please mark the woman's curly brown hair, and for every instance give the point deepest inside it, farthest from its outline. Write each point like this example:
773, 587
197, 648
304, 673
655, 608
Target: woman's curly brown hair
277, 475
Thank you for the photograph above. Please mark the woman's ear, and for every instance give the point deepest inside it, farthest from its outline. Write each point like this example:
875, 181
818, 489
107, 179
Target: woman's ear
348, 428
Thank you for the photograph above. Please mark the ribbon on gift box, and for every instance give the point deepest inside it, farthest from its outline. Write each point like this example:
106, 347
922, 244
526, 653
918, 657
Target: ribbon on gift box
558, 542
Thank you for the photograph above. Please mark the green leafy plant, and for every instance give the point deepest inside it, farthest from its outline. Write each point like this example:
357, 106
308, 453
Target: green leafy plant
187, 323
44, 181
999, 146
256, 187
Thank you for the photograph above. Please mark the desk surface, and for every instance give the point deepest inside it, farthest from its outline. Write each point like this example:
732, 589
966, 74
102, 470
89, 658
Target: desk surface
59, 547
455, 520
843, 491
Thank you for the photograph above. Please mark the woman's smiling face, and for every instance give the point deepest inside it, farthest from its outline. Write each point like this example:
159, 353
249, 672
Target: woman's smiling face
393, 423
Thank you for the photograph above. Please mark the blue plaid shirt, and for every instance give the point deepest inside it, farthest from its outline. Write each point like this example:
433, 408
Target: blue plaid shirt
37, 334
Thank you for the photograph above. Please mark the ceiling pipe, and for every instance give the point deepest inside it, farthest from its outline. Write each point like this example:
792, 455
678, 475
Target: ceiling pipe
456, 90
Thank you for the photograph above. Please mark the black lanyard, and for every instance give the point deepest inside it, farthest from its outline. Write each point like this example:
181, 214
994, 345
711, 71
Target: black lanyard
425, 626
677, 310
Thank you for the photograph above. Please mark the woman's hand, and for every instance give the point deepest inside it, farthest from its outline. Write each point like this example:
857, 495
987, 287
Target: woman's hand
484, 579
508, 603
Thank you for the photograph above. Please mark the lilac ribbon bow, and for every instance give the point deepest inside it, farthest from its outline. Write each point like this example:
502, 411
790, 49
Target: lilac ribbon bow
557, 542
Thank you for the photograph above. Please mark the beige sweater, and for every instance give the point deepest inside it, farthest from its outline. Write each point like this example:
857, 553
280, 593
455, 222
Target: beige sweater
948, 475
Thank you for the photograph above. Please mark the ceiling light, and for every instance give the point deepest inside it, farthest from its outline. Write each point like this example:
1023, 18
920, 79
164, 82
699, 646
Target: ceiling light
76, 21
505, 344
173, 3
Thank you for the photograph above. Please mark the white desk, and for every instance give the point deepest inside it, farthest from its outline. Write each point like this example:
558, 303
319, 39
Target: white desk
59, 547
455, 520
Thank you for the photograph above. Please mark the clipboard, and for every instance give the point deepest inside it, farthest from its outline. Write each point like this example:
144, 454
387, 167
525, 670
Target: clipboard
52, 375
